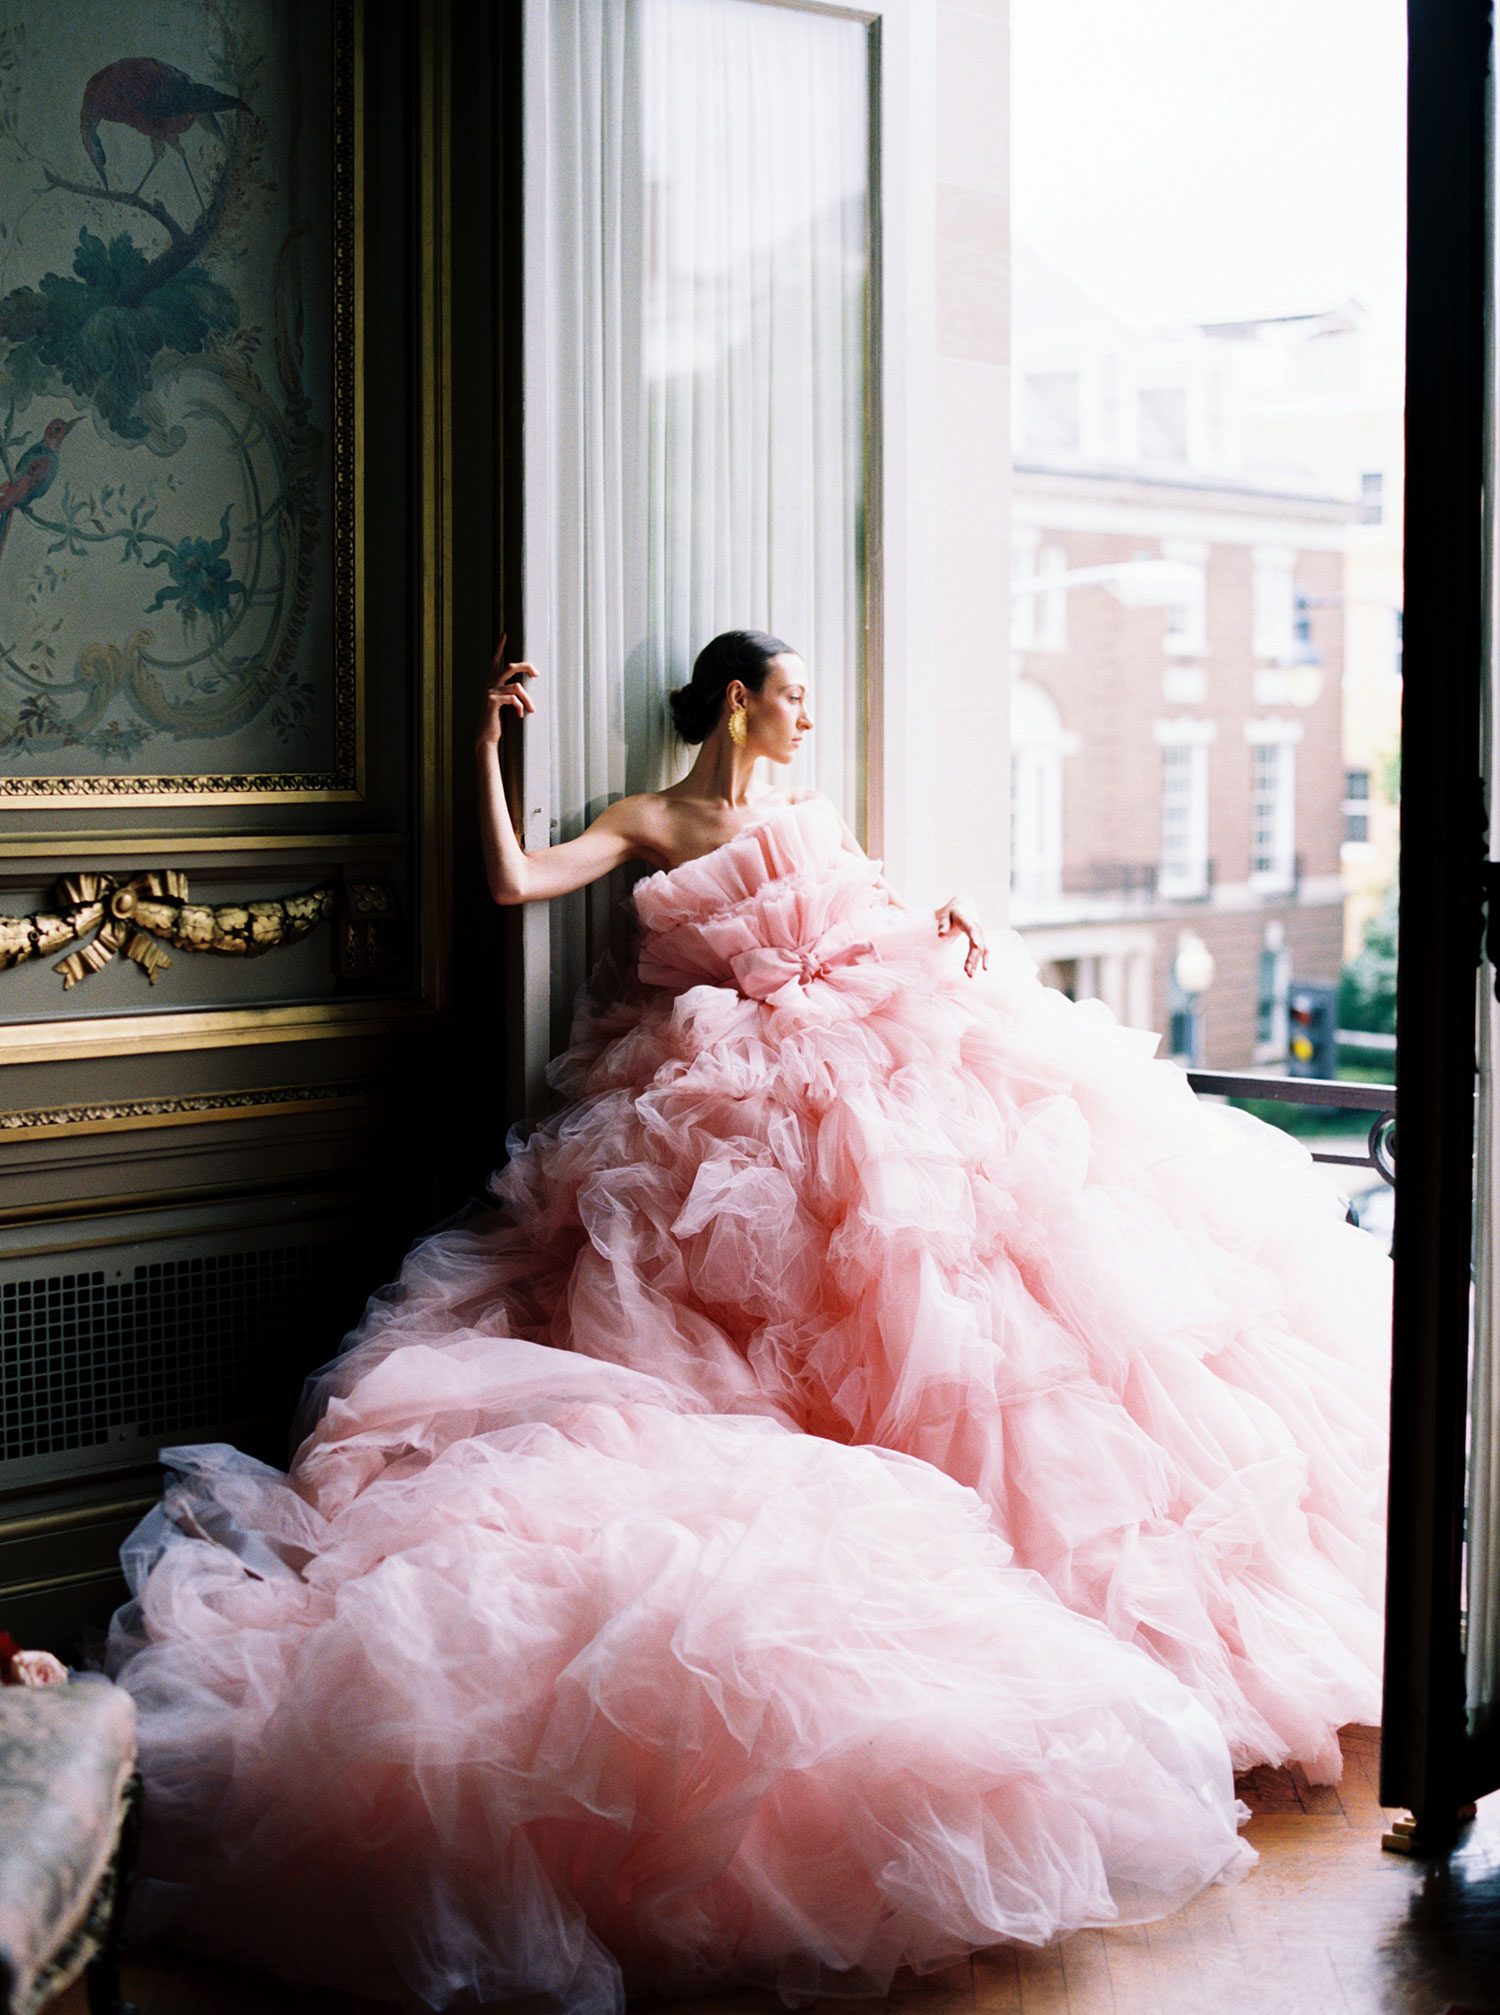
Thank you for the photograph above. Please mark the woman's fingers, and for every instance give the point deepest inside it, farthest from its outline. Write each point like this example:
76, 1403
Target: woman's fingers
951, 918
512, 686
505, 692
506, 689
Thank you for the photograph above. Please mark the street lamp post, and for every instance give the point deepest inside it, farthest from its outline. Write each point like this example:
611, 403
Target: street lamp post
1193, 972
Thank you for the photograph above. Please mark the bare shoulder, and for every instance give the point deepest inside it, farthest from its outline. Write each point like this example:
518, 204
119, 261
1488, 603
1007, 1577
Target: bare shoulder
644, 821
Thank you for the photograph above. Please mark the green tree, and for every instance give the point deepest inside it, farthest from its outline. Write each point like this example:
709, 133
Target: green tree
1367, 989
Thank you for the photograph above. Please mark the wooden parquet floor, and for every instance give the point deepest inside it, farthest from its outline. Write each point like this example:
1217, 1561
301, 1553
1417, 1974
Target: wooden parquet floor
1327, 1924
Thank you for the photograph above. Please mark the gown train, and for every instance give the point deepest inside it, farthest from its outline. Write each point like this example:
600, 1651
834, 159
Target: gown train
887, 1454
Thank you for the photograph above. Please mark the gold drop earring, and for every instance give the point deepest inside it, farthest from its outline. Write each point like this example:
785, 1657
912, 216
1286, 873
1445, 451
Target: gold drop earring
737, 729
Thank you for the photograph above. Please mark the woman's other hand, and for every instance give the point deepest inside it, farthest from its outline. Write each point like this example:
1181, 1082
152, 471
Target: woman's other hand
957, 916
506, 692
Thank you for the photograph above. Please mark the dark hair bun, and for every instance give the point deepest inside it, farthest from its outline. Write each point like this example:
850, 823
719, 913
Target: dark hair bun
736, 654
692, 716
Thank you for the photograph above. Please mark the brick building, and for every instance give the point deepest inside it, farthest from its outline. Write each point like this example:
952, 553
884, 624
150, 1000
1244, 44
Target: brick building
1177, 760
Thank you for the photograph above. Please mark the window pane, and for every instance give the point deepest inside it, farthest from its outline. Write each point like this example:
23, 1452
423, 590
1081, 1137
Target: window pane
1164, 425
1208, 316
1052, 410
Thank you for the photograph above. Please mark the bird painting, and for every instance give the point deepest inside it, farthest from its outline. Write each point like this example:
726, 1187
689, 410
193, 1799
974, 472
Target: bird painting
158, 100
35, 474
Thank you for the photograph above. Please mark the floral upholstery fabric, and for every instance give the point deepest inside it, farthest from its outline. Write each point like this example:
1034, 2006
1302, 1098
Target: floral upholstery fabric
66, 1757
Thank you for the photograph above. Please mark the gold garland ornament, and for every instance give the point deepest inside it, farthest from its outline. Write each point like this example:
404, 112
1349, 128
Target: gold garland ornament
132, 916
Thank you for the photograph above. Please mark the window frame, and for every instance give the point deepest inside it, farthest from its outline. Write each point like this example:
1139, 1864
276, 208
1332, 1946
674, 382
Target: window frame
1194, 734
1279, 876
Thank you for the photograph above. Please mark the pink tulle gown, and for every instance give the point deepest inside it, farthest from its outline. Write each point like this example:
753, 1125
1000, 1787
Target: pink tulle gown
889, 1453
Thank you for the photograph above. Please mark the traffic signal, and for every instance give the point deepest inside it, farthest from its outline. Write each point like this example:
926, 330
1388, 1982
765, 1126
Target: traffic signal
1312, 1030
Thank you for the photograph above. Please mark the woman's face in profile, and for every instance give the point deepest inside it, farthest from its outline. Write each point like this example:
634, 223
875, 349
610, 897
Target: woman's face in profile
777, 716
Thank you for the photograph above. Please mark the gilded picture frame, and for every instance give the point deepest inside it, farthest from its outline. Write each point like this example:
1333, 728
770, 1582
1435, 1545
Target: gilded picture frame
247, 373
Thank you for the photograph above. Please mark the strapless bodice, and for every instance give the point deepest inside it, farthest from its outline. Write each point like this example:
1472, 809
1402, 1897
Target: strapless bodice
781, 913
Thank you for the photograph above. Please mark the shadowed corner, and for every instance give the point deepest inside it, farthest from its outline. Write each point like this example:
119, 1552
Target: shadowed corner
1449, 1940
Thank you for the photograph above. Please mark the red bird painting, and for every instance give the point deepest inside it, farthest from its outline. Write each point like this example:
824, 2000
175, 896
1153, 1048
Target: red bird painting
35, 473
156, 99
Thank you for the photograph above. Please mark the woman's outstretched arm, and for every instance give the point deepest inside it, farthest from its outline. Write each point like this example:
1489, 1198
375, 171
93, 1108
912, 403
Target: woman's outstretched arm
514, 875
954, 915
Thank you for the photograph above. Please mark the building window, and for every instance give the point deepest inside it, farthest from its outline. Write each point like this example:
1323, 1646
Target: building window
1372, 495
1164, 424
1275, 613
1051, 603
1023, 567
1037, 747
1356, 807
1184, 819
1109, 405
1215, 415
1185, 633
1302, 636
1050, 422
1273, 821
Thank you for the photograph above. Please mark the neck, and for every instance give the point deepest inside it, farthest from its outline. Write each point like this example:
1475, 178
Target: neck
722, 772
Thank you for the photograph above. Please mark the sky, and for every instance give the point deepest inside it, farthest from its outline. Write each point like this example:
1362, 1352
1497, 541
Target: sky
1201, 160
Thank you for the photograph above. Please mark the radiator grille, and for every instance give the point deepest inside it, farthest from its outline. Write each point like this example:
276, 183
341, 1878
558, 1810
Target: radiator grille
135, 1354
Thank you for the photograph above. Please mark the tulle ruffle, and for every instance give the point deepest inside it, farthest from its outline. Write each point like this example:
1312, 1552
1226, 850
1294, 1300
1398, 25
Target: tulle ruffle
535, 1675
972, 1221
952, 1432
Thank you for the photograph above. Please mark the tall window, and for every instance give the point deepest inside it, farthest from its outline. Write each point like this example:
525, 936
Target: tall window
1185, 633
1184, 819
1273, 814
1038, 745
1024, 540
1164, 424
1050, 412
1051, 603
1275, 604
1356, 807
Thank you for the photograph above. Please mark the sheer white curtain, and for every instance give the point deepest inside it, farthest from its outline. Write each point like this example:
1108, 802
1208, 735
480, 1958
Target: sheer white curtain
757, 171
697, 333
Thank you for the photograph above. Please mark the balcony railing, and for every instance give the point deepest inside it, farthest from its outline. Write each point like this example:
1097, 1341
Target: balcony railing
1136, 881
1379, 1100
1115, 878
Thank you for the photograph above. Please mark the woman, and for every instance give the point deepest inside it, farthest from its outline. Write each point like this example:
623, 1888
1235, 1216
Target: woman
954, 1443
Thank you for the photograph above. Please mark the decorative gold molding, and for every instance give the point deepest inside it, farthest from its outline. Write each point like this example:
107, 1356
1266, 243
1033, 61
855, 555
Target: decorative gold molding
126, 1115
69, 1518
106, 1572
149, 1034
130, 914
120, 841
146, 1215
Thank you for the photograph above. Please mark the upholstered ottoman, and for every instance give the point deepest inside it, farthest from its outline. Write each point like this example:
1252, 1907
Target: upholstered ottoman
69, 1797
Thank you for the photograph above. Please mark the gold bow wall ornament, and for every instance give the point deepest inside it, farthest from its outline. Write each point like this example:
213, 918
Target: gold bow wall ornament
134, 915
